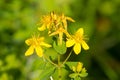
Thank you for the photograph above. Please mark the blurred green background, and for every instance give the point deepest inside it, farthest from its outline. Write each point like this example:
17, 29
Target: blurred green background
99, 18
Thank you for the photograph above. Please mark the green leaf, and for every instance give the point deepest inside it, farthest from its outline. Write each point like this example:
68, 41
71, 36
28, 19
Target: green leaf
47, 72
70, 64
51, 53
60, 48
77, 78
39, 63
73, 75
41, 70
63, 73
83, 74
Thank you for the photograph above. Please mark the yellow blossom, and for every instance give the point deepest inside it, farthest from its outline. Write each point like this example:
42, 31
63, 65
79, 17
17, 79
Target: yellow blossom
53, 21
49, 21
60, 32
46, 22
78, 68
79, 71
64, 20
77, 41
35, 43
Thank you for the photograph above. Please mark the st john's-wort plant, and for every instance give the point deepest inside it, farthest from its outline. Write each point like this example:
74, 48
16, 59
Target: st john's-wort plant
55, 26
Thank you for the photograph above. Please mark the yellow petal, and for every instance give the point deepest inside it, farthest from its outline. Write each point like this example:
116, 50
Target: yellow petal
67, 34
28, 41
80, 31
39, 51
40, 39
65, 24
77, 48
79, 67
70, 42
45, 44
52, 13
70, 19
29, 51
48, 25
54, 16
84, 45
42, 28
54, 33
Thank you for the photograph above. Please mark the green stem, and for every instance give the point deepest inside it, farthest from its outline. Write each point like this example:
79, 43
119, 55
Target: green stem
67, 58
50, 60
59, 68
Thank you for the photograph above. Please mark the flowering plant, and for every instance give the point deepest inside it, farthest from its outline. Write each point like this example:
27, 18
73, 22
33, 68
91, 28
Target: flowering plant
55, 28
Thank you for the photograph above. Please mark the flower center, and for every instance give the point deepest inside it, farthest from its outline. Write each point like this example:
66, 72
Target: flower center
36, 41
78, 38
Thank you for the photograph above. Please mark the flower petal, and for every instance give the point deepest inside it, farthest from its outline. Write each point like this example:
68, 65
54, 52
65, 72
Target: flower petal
84, 45
48, 26
39, 51
70, 42
29, 51
40, 39
42, 28
54, 33
70, 19
79, 66
77, 48
80, 32
45, 44
66, 33
65, 24
28, 41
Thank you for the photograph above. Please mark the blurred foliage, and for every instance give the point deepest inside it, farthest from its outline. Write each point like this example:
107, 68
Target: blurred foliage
100, 18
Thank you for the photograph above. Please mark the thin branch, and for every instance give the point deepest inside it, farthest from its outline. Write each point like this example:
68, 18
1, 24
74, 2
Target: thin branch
50, 60
67, 58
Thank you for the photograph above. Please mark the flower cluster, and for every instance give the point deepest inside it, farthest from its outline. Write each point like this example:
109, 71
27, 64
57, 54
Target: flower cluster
53, 21
78, 71
56, 26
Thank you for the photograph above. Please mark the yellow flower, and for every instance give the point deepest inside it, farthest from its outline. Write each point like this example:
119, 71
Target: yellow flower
77, 41
46, 22
60, 32
50, 22
53, 21
79, 71
64, 20
78, 68
35, 43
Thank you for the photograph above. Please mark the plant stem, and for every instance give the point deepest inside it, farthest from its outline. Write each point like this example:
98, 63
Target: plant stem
67, 58
50, 60
59, 67
59, 63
